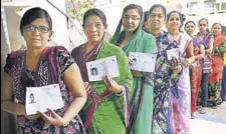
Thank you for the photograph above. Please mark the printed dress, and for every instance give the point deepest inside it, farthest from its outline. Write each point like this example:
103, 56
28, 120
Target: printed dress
165, 80
215, 77
195, 70
180, 103
52, 63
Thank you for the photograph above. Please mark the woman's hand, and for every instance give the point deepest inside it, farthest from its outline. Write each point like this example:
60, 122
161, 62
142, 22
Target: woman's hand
111, 85
137, 73
52, 118
175, 66
32, 117
129, 61
189, 61
87, 87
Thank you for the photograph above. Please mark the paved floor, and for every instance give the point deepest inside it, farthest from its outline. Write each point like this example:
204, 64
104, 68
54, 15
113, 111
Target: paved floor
214, 122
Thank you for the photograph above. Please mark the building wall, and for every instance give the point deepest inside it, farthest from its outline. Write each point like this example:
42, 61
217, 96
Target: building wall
8, 125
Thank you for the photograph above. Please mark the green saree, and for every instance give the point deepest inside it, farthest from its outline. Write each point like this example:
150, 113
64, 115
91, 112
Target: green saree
142, 91
109, 115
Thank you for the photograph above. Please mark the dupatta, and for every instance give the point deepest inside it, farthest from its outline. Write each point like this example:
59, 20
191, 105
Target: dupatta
137, 97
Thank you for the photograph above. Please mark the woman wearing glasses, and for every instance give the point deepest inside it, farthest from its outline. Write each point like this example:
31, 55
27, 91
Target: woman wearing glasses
106, 109
133, 39
40, 65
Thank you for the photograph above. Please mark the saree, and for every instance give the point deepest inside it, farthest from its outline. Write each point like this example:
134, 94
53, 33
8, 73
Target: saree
217, 67
51, 65
105, 112
180, 104
223, 89
195, 76
164, 80
141, 97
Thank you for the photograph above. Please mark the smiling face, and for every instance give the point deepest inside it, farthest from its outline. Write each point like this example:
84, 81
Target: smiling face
190, 28
216, 29
174, 22
35, 37
131, 20
203, 25
156, 18
94, 29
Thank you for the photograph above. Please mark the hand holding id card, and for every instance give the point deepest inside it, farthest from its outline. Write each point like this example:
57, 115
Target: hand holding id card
101, 67
43, 98
175, 52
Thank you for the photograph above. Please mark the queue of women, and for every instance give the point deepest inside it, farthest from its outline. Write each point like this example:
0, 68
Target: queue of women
136, 102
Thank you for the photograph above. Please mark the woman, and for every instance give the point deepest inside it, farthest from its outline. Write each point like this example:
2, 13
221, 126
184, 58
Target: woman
217, 63
195, 70
132, 39
105, 111
40, 65
145, 26
205, 38
223, 89
189, 28
166, 76
180, 105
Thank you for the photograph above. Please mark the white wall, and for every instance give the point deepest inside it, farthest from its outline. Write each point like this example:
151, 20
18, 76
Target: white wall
59, 20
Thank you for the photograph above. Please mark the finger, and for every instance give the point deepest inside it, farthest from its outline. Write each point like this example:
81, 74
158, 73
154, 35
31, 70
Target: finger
88, 87
89, 91
86, 84
44, 116
53, 114
129, 60
109, 81
105, 81
175, 61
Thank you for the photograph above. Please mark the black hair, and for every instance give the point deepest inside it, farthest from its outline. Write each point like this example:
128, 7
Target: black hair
218, 24
224, 29
97, 12
204, 20
190, 21
157, 6
134, 6
33, 14
180, 16
145, 16
207, 30
129, 7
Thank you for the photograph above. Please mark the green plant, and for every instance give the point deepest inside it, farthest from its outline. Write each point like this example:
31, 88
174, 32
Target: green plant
80, 9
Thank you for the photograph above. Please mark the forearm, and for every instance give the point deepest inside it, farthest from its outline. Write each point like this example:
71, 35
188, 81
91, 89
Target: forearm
174, 79
210, 49
199, 57
13, 108
74, 108
207, 51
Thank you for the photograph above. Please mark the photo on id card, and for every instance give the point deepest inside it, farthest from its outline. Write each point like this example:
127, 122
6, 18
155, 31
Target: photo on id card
101, 67
43, 98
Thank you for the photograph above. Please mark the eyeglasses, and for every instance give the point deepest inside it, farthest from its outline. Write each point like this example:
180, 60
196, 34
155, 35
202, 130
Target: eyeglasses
156, 15
41, 29
127, 17
96, 25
